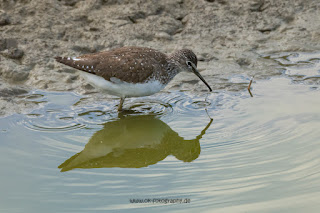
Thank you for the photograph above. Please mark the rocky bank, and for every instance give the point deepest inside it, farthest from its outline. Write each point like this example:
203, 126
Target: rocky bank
229, 38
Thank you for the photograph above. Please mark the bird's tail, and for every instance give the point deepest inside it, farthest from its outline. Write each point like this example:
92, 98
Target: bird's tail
77, 63
64, 60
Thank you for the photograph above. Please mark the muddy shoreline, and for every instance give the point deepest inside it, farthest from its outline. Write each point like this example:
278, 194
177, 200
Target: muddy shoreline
229, 38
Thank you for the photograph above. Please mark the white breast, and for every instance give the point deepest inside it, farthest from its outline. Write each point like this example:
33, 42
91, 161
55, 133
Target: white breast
123, 89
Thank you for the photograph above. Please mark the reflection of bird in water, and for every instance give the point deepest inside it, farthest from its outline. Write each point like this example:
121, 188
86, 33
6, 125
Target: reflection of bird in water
134, 142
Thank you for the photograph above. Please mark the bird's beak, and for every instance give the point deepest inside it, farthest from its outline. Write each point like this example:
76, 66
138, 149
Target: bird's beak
195, 71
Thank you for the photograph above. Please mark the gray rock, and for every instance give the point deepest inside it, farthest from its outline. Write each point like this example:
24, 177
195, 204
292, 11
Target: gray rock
7, 43
11, 91
4, 18
13, 53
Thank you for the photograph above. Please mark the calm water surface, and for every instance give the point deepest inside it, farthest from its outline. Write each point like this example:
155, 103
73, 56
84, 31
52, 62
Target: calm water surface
231, 153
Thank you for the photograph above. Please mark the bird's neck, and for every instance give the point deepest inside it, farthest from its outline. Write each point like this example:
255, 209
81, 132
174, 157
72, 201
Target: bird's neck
173, 69
168, 72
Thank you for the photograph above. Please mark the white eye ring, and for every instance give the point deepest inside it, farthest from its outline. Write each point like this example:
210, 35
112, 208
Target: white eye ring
189, 63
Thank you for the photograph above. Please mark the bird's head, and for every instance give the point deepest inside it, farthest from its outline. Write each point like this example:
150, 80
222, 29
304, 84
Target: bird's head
187, 61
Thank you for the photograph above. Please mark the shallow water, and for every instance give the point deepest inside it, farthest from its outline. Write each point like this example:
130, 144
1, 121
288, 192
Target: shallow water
257, 154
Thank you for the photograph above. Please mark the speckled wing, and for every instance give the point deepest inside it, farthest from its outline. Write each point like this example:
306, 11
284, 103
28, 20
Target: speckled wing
128, 64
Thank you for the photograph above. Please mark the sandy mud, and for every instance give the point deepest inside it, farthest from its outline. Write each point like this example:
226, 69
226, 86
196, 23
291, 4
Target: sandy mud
229, 38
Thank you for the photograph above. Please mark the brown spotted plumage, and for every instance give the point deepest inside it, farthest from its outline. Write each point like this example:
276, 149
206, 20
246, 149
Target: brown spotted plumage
129, 64
125, 67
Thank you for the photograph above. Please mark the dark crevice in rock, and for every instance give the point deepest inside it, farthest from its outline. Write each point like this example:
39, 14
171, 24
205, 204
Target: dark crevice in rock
9, 92
138, 15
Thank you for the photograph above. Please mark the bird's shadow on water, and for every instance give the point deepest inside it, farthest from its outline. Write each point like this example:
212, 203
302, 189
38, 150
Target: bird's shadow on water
134, 141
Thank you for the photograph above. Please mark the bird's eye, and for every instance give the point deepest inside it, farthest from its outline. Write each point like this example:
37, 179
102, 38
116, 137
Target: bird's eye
189, 63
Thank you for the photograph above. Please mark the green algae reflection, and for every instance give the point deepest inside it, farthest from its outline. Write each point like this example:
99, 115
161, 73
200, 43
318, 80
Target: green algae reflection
134, 142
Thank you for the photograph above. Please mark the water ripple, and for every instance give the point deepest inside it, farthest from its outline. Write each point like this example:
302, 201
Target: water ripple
256, 153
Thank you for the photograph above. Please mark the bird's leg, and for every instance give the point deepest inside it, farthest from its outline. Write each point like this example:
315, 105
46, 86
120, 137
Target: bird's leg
120, 104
